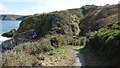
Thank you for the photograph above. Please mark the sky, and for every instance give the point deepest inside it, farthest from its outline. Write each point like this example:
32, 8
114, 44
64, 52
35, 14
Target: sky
29, 7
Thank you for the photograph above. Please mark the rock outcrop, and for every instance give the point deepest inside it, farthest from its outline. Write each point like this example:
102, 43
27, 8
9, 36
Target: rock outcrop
9, 34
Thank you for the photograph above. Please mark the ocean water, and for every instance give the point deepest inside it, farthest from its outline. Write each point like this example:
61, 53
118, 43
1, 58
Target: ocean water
6, 26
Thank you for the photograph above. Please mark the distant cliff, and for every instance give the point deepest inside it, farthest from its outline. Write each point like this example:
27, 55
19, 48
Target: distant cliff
13, 17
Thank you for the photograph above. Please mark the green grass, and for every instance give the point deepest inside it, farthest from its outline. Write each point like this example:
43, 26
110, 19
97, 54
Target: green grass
59, 51
63, 50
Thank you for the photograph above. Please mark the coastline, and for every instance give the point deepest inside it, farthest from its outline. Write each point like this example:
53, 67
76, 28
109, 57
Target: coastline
3, 30
2, 39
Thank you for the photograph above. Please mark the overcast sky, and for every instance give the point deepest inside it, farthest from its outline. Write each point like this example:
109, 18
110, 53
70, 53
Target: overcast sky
28, 7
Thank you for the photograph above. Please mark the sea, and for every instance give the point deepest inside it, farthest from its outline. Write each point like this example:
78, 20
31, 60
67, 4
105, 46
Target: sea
6, 26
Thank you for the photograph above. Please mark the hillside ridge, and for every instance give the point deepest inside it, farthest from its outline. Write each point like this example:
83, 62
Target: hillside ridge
12, 17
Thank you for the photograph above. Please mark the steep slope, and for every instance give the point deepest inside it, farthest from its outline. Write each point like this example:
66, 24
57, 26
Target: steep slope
40, 25
62, 22
97, 17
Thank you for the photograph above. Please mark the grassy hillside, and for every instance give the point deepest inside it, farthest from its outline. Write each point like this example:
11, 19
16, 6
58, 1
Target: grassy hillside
97, 17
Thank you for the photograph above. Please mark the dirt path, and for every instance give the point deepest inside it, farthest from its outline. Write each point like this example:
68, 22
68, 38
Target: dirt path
72, 56
69, 56
79, 58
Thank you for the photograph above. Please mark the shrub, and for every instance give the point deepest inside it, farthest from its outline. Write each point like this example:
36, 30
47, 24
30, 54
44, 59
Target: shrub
27, 54
61, 40
106, 42
46, 46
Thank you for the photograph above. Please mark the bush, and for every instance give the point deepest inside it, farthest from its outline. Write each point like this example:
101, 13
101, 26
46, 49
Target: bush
106, 42
46, 46
26, 54
61, 40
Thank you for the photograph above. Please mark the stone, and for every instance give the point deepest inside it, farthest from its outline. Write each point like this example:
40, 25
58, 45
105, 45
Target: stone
9, 34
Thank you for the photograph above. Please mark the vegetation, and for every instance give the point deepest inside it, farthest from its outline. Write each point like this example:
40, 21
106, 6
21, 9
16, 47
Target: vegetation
59, 51
87, 8
10, 33
106, 42
97, 17
32, 51
56, 22
53, 33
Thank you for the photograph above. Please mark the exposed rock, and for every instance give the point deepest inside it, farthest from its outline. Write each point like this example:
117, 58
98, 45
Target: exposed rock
9, 34
43, 64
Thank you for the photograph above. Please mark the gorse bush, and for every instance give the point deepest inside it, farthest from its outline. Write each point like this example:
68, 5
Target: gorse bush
61, 40
46, 46
114, 26
106, 42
